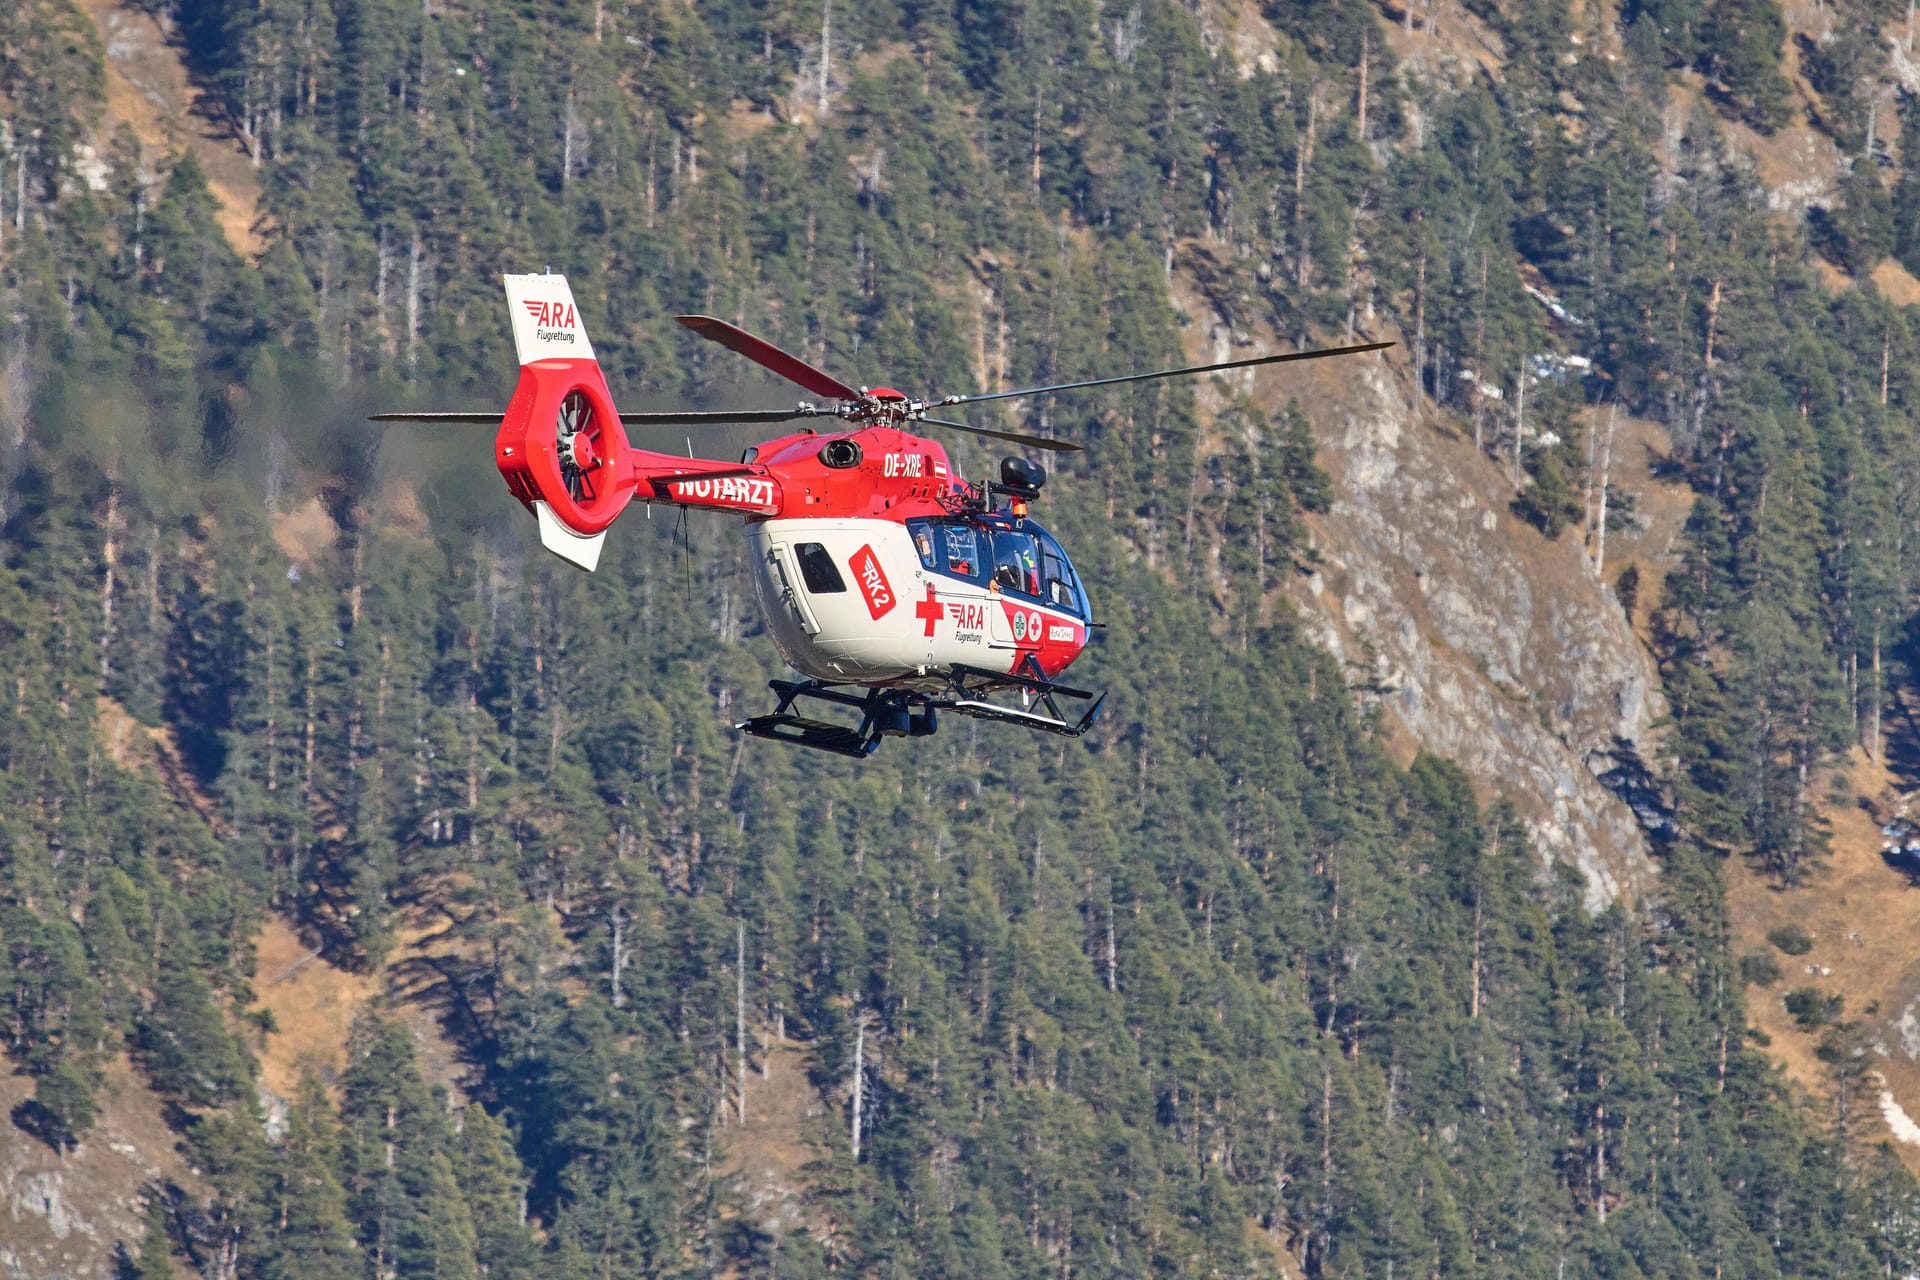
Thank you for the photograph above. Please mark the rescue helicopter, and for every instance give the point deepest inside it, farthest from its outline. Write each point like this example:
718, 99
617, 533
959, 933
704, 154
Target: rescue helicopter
896, 588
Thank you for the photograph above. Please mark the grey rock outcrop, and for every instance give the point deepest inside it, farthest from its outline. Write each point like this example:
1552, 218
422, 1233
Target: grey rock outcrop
1489, 644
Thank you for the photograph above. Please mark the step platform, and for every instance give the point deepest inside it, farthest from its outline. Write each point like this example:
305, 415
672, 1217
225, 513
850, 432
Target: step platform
819, 734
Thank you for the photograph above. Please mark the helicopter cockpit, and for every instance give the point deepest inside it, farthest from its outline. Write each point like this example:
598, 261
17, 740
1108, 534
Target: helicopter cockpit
1015, 556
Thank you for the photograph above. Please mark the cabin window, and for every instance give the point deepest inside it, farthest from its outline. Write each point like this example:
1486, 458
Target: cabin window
818, 570
952, 548
961, 547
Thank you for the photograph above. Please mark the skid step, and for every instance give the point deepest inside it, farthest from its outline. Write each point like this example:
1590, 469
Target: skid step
909, 713
802, 732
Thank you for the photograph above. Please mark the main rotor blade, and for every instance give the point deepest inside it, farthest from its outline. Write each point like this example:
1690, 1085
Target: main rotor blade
1038, 442
713, 418
476, 419
1282, 358
663, 418
762, 352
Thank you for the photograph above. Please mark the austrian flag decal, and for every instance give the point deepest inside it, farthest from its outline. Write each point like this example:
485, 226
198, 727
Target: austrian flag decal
873, 582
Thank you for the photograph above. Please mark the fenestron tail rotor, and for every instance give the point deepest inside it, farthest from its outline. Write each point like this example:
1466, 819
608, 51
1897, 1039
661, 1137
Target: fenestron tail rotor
574, 436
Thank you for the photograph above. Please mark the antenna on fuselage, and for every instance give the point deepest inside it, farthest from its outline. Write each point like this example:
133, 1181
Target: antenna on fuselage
684, 536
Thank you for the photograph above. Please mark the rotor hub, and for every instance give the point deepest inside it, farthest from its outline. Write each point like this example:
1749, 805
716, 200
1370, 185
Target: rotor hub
580, 448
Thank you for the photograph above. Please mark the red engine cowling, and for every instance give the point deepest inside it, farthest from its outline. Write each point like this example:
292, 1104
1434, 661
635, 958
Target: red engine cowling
561, 443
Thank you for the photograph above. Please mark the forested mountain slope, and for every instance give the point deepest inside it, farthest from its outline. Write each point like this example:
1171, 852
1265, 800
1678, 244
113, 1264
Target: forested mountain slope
1222, 990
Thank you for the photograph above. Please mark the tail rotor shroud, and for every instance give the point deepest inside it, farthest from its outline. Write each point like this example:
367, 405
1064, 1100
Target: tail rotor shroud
561, 443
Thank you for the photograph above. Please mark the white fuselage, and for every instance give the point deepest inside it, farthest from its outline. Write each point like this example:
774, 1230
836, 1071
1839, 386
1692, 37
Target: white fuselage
880, 615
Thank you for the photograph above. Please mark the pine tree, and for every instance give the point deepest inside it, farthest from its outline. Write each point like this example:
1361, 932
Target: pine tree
310, 1234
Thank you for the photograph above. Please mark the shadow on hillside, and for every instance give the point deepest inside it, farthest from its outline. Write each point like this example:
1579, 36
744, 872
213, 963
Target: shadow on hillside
458, 991
1900, 729
1907, 864
38, 1121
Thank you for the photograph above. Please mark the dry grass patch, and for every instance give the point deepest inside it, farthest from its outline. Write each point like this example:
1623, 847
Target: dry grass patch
1445, 40
1863, 917
1896, 284
1831, 278
148, 90
304, 532
786, 1123
313, 1006
134, 746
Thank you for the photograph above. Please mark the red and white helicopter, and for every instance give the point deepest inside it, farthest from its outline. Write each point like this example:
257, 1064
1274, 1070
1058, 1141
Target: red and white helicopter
893, 585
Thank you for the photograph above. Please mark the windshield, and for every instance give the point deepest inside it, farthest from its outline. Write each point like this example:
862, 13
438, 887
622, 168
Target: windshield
1059, 586
1022, 559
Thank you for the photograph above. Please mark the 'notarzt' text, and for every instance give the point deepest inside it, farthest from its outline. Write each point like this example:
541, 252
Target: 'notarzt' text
744, 490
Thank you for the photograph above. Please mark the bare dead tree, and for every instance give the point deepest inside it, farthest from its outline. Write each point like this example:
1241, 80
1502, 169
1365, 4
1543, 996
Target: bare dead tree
416, 255
1879, 694
1113, 953
1519, 422
1600, 516
740, 1011
616, 921
859, 1076
109, 554
1366, 52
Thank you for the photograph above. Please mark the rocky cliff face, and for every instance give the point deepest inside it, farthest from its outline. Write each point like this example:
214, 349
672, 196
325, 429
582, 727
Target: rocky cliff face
78, 1213
1483, 640
1490, 644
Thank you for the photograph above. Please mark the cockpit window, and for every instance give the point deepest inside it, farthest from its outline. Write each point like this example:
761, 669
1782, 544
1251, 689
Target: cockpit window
1059, 582
1024, 560
1016, 562
1058, 586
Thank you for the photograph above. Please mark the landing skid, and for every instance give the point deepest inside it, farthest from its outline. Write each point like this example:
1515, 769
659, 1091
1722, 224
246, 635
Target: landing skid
884, 713
905, 713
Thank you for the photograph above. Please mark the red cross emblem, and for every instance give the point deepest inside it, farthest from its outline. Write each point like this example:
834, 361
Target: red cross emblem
930, 611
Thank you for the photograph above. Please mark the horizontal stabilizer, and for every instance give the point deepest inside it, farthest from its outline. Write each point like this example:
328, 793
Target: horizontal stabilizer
576, 548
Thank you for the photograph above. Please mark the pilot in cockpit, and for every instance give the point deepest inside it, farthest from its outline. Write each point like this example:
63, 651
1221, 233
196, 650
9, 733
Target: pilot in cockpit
1015, 566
